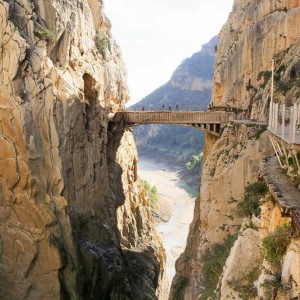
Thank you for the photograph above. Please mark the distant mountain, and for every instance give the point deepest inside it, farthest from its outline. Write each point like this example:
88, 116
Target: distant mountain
189, 87
190, 84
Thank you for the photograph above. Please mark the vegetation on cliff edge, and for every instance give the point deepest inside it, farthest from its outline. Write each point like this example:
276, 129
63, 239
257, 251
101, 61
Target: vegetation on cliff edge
152, 192
194, 162
276, 243
213, 261
250, 204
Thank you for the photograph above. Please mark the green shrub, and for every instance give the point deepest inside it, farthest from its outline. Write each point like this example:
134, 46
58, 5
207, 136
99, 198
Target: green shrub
207, 293
246, 289
213, 261
45, 34
194, 162
271, 286
276, 243
151, 191
250, 204
266, 75
154, 196
260, 130
284, 86
101, 42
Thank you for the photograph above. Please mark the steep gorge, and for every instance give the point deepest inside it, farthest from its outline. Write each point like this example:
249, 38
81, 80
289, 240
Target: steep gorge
74, 223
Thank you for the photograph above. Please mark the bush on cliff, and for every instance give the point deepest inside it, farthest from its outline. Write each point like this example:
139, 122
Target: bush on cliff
250, 204
213, 261
45, 34
152, 192
194, 162
276, 243
101, 42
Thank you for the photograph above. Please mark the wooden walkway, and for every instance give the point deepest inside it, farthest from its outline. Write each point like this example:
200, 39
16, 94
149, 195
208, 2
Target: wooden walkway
283, 190
202, 120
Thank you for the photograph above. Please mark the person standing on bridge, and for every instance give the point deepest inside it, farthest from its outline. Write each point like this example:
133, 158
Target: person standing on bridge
177, 107
170, 108
163, 107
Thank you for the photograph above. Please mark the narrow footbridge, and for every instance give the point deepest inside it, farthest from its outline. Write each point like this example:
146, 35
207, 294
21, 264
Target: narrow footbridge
202, 120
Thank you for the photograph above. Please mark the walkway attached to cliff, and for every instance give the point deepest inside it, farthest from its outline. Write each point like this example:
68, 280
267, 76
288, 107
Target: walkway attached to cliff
284, 124
283, 190
202, 120
284, 135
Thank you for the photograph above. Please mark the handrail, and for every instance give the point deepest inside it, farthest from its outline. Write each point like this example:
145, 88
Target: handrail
173, 117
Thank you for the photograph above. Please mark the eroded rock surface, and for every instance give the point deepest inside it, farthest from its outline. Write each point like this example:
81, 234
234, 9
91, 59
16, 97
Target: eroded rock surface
61, 180
233, 162
256, 32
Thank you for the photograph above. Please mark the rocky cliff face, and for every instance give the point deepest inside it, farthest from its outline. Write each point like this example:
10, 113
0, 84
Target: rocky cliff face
256, 32
74, 224
234, 162
248, 274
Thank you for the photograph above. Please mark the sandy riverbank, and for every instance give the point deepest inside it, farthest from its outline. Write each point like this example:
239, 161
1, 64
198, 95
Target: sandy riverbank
176, 204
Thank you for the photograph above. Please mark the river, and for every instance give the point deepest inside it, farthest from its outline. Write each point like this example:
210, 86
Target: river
173, 197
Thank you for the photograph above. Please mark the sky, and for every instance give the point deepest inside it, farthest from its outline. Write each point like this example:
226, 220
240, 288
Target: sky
155, 36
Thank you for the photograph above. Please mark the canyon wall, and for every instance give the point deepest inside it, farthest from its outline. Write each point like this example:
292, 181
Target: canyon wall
228, 245
256, 32
234, 162
74, 223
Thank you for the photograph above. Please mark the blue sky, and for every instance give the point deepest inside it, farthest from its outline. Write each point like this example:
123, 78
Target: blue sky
156, 35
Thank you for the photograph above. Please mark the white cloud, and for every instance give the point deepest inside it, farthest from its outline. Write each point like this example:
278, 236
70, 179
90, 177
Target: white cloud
156, 35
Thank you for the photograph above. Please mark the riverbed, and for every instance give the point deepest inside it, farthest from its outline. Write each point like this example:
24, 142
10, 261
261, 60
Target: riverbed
177, 201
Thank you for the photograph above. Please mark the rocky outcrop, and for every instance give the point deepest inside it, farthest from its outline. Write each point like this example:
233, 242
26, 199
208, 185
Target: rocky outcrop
256, 32
63, 231
248, 273
142, 248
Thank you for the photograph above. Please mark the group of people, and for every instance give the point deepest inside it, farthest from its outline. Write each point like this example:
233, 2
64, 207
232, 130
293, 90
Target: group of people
163, 107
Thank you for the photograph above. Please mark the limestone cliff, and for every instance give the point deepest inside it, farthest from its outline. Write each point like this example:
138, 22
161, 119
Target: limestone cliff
256, 32
220, 241
234, 162
74, 223
248, 274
